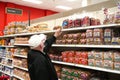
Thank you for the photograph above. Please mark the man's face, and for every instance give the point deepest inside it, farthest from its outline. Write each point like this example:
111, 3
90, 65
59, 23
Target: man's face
43, 43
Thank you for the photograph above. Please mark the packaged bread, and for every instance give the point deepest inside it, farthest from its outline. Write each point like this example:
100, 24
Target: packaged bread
107, 36
89, 36
116, 56
91, 54
98, 36
99, 55
109, 55
65, 36
99, 63
117, 17
108, 64
77, 22
76, 36
117, 65
91, 62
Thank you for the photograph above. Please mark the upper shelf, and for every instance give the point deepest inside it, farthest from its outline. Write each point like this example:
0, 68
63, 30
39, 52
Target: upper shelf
86, 46
69, 29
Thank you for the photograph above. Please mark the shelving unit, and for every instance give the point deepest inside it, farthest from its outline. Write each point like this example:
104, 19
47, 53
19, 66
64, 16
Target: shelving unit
6, 65
86, 46
20, 56
17, 77
21, 68
8, 46
63, 30
21, 44
6, 73
7, 58
87, 67
69, 45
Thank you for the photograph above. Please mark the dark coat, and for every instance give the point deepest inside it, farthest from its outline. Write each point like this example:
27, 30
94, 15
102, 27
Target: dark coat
40, 66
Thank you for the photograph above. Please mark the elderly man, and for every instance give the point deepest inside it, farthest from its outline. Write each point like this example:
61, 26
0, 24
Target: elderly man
40, 66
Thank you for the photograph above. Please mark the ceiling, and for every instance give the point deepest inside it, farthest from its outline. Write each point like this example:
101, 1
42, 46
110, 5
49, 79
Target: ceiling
51, 4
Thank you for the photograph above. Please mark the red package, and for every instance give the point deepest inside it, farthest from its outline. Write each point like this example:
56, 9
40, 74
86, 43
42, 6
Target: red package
84, 61
71, 54
65, 59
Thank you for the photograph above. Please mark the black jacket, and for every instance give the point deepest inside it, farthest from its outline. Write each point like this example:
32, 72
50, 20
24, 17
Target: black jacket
39, 64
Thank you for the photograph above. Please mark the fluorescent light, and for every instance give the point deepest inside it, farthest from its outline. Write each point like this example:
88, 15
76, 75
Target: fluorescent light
33, 1
71, 0
84, 3
64, 7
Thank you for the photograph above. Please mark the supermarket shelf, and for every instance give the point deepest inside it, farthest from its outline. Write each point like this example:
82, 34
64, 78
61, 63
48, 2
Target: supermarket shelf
6, 65
25, 69
17, 77
7, 46
7, 58
43, 32
20, 56
63, 45
86, 46
6, 73
88, 67
99, 46
64, 63
5, 36
70, 29
91, 27
97, 68
21, 44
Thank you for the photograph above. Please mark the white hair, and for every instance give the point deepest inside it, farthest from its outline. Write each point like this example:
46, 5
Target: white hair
36, 40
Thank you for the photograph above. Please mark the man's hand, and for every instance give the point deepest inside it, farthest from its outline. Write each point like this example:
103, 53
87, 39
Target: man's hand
58, 32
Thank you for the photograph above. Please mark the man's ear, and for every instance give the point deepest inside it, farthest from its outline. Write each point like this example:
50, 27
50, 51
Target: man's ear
40, 46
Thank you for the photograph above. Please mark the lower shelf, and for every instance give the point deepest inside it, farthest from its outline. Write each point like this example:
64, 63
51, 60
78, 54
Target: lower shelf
17, 77
6, 73
25, 69
87, 67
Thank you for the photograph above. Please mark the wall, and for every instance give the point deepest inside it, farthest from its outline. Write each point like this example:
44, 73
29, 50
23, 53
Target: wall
6, 18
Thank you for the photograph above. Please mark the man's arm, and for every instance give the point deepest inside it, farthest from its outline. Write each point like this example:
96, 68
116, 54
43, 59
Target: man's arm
51, 40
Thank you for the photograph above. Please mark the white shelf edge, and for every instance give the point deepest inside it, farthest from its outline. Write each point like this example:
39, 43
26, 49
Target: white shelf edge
87, 67
21, 44
99, 46
5, 36
69, 29
20, 56
6, 65
87, 46
63, 45
64, 63
17, 77
97, 68
6, 73
7, 58
7, 46
25, 69
91, 27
